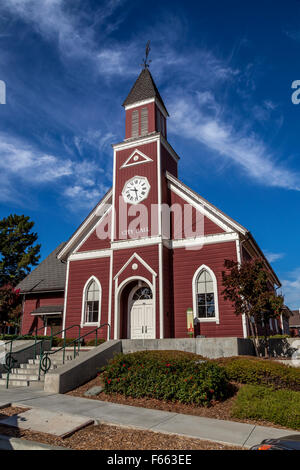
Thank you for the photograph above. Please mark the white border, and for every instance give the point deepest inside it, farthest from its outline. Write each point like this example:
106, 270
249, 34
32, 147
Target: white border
82, 323
216, 319
146, 159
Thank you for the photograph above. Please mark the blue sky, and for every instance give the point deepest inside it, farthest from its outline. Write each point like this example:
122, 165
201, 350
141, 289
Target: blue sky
225, 71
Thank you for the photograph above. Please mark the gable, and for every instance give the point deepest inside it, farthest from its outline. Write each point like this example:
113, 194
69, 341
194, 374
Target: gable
97, 239
200, 225
135, 158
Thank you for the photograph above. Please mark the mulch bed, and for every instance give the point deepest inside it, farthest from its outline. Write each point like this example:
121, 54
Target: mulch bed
219, 410
105, 437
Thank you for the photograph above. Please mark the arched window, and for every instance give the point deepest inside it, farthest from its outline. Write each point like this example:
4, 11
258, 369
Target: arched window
205, 295
143, 293
91, 302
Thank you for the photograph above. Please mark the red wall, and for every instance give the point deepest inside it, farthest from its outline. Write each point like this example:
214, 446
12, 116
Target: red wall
79, 273
185, 264
33, 301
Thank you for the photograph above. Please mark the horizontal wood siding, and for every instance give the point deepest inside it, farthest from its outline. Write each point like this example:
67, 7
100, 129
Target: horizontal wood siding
79, 273
32, 302
185, 264
93, 242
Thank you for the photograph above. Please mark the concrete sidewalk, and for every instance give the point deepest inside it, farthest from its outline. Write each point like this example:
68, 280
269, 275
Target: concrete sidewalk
225, 432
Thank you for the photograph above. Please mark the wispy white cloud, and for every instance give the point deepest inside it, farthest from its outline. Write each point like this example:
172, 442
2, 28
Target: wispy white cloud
20, 163
272, 257
228, 140
291, 289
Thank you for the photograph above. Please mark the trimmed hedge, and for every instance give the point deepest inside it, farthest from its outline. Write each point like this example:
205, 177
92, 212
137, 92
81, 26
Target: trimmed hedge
166, 375
262, 403
261, 372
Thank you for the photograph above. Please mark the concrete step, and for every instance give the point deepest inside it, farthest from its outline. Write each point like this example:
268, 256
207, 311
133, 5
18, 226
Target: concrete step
33, 367
15, 383
31, 377
23, 371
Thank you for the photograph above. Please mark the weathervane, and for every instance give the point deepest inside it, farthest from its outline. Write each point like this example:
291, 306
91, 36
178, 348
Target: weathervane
146, 63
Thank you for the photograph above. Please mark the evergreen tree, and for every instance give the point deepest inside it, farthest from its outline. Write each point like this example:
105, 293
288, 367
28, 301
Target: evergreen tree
17, 250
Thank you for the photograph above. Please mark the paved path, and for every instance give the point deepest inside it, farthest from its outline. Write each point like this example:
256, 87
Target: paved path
225, 432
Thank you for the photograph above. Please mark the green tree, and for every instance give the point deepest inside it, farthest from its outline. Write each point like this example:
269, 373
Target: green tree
18, 252
249, 288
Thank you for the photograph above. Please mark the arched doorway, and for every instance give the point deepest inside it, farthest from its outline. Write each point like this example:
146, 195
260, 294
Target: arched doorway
141, 313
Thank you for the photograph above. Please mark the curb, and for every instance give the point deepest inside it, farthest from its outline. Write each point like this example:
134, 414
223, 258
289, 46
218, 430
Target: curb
15, 443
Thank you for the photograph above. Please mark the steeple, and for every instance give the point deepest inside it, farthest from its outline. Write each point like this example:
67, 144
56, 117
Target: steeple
144, 89
145, 110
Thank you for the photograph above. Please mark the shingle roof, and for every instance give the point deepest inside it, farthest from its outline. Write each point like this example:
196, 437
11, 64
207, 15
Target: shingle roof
48, 309
143, 89
49, 275
295, 318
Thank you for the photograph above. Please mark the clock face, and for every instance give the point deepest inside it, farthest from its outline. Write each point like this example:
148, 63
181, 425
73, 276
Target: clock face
136, 190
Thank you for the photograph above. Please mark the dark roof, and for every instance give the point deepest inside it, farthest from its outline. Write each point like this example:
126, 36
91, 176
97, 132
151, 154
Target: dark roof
50, 275
48, 309
143, 89
295, 318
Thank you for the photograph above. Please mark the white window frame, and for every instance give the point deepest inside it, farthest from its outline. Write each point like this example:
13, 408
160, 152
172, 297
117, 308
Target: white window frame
216, 318
83, 322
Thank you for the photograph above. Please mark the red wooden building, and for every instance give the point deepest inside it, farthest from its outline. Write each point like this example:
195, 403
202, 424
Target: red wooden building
152, 248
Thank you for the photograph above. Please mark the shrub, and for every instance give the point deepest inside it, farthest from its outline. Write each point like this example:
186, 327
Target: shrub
261, 372
263, 403
59, 342
166, 375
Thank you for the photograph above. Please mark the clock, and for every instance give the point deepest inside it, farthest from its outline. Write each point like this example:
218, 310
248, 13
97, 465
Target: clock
136, 190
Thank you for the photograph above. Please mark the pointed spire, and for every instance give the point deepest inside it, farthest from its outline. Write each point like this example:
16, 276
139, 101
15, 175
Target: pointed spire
144, 89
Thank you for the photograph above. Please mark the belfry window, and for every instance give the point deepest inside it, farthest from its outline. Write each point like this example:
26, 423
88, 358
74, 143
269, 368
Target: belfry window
92, 300
144, 121
205, 294
135, 123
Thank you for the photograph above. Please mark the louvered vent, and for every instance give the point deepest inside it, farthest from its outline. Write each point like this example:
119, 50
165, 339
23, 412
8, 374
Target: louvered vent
144, 121
135, 124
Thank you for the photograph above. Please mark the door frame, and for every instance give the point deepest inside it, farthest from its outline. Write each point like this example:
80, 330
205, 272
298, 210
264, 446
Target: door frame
129, 306
118, 296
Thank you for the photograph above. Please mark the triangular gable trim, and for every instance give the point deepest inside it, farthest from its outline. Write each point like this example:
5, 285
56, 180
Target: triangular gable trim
144, 157
132, 257
209, 210
89, 223
92, 230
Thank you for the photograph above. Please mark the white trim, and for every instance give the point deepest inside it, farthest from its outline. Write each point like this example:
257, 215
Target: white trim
113, 222
83, 323
129, 306
135, 255
230, 223
137, 104
136, 142
141, 154
161, 291
216, 319
239, 260
118, 291
205, 240
80, 230
200, 207
92, 230
94, 254
134, 243
110, 294
66, 298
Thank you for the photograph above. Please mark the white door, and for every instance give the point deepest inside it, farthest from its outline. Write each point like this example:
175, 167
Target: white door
142, 315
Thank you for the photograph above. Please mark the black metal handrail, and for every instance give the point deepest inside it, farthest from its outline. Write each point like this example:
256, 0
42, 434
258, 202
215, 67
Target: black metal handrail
45, 361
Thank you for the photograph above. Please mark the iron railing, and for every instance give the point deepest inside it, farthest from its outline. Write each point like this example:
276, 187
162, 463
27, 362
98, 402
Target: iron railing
45, 360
